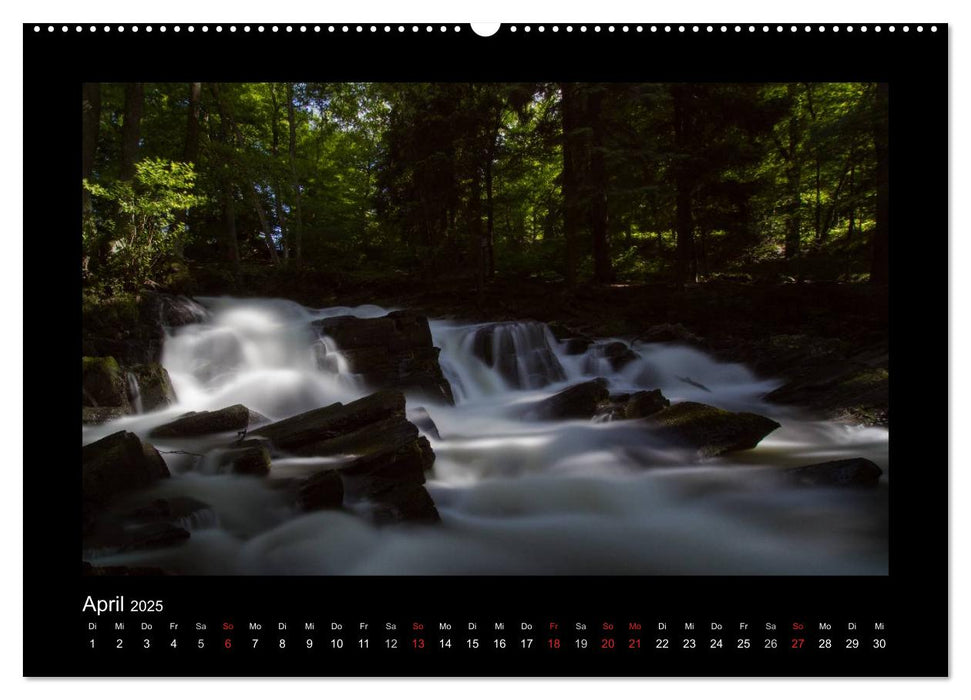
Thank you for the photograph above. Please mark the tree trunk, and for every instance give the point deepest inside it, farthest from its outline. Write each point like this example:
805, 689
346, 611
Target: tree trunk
490, 261
476, 238
267, 230
793, 184
230, 241
191, 152
294, 182
570, 186
880, 268
598, 190
131, 128
683, 185
90, 125
819, 206
850, 226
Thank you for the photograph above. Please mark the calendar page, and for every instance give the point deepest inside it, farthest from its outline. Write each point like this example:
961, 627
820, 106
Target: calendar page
564, 350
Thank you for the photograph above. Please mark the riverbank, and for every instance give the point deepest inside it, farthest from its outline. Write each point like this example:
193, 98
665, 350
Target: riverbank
828, 340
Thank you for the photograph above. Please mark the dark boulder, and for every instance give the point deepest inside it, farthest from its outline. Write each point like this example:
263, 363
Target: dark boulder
670, 333
576, 346
519, 352
324, 490
391, 352
232, 418
116, 465
640, 404
406, 503
645, 403
252, 460
154, 386
844, 391
419, 416
841, 472
103, 383
308, 432
131, 327
708, 430
387, 455
619, 354
578, 401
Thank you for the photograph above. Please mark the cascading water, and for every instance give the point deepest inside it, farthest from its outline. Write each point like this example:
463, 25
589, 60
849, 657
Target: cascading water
515, 496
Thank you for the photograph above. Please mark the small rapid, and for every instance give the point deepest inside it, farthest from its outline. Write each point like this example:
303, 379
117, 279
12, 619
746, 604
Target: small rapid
515, 496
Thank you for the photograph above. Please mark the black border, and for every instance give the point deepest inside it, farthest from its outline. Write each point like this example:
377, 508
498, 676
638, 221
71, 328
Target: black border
912, 600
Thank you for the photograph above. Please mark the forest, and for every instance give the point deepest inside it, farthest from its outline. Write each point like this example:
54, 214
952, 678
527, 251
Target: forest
468, 328
194, 186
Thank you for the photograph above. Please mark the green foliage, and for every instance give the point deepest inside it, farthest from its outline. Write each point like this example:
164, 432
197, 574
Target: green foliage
146, 228
466, 179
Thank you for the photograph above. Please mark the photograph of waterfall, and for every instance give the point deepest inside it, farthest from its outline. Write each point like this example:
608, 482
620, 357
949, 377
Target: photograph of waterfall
344, 329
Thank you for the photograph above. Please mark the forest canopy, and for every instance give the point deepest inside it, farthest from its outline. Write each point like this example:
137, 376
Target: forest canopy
573, 183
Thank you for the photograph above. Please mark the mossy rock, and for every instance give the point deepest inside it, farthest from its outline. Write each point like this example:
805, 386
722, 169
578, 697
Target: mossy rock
578, 401
154, 386
103, 383
708, 430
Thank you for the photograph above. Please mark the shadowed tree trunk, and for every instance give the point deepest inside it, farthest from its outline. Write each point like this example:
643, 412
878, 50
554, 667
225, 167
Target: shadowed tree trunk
793, 184
598, 189
294, 182
683, 186
880, 269
90, 125
230, 242
190, 152
570, 185
131, 128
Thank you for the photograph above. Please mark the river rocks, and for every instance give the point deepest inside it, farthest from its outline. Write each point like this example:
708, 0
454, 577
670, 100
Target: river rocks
406, 503
619, 355
419, 416
612, 356
842, 472
388, 456
154, 386
103, 383
708, 430
576, 346
324, 490
232, 418
520, 353
391, 352
115, 465
310, 433
669, 333
251, 460
846, 391
640, 404
578, 401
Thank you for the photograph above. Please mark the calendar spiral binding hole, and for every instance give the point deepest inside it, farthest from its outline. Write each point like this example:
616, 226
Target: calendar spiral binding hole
513, 28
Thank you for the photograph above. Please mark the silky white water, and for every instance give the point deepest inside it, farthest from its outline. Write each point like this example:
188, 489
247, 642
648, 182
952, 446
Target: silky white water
515, 497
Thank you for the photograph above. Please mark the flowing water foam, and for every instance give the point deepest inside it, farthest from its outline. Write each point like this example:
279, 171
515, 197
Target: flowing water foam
516, 497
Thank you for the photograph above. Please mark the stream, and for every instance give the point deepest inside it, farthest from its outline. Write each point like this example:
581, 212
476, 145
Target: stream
515, 497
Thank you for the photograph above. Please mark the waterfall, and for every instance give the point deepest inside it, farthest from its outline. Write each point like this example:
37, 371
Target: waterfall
515, 496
